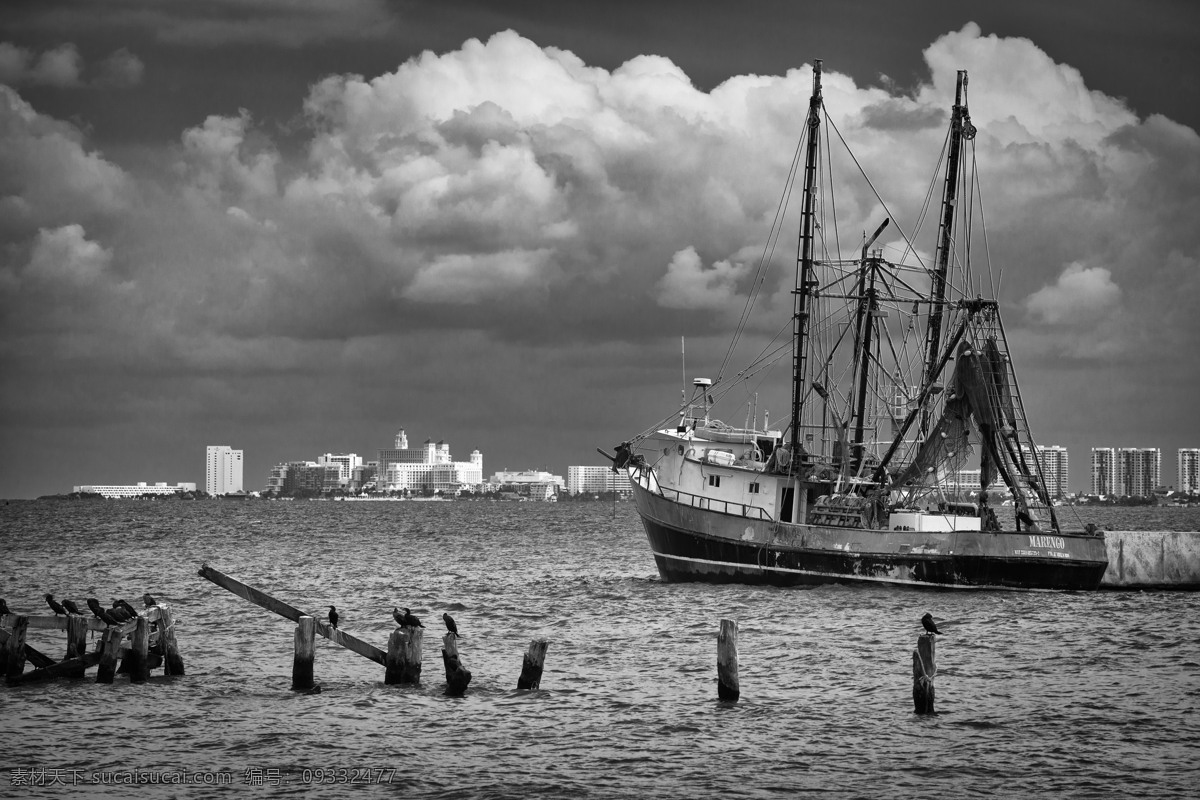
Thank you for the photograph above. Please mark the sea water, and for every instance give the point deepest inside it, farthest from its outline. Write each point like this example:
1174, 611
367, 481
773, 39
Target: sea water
1038, 694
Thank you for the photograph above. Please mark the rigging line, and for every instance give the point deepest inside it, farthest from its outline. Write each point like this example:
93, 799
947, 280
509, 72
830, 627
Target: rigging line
837, 239
929, 194
993, 284
768, 252
875, 192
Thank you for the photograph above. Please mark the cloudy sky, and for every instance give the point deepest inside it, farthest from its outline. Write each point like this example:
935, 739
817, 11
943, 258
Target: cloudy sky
295, 226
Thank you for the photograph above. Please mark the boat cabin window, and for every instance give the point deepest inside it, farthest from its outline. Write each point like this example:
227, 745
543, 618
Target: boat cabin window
753, 488
714, 480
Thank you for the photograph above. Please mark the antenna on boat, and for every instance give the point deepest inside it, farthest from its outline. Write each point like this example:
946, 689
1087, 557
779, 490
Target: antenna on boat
683, 363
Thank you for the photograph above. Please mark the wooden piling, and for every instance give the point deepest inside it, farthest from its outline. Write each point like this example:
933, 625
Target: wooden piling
77, 629
403, 662
306, 651
531, 665
457, 676
924, 671
137, 660
727, 662
110, 652
14, 648
167, 643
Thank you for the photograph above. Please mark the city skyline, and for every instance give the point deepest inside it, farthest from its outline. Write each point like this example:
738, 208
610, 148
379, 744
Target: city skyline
288, 226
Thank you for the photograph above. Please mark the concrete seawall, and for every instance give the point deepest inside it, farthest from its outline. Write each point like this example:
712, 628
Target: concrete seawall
1152, 559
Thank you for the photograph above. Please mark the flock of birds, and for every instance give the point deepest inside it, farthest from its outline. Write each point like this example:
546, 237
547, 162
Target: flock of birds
120, 611
404, 618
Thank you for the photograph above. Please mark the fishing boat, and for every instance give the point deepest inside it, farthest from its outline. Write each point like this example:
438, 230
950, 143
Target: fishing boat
901, 377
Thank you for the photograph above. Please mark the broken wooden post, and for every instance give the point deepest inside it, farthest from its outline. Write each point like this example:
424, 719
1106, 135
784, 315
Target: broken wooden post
531, 665
77, 628
110, 651
167, 643
924, 671
306, 651
727, 661
137, 660
404, 656
14, 648
457, 676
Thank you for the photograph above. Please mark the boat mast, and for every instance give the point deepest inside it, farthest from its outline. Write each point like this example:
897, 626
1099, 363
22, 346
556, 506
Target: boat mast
959, 121
867, 308
804, 268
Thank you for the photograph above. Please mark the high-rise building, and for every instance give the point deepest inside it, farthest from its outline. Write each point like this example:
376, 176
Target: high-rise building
1188, 476
593, 480
1126, 471
1055, 467
345, 462
223, 470
1104, 470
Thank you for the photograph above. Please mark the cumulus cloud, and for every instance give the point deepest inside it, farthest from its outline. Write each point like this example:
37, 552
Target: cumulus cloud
120, 70
48, 176
688, 284
1080, 295
60, 66
63, 67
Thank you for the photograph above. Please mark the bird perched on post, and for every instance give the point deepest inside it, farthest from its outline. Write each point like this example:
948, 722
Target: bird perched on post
396, 615
130, 610
410, 620
450, 625
147, 600
71, 608
99, 611
120, 613
55, 606
333, 617
927, 622
4, 607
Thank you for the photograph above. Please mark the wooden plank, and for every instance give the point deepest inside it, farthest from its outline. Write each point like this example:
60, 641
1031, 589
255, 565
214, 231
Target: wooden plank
35, 656
264, 600
166, 638
110, 653
67, 667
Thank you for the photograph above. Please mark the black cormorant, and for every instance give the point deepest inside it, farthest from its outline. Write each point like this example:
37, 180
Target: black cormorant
450, 626
71, 608
927, 621
333, 617
55, 606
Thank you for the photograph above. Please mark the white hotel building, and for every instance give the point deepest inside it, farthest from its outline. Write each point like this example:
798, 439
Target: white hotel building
222, 470
426, 468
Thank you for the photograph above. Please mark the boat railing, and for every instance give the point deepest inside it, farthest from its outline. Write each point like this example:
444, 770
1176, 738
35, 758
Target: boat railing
650, 483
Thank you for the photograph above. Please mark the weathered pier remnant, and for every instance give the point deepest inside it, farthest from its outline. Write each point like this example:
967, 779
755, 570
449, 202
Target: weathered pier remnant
727, 662
110, 654
169, 648
137, 660
306, 652
924, 671
14, 648
130, 644
404, 656
531, 665
308, 626
457, 676
77, 629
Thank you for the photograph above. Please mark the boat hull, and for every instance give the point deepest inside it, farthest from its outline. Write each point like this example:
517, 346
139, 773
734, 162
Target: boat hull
698, 544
